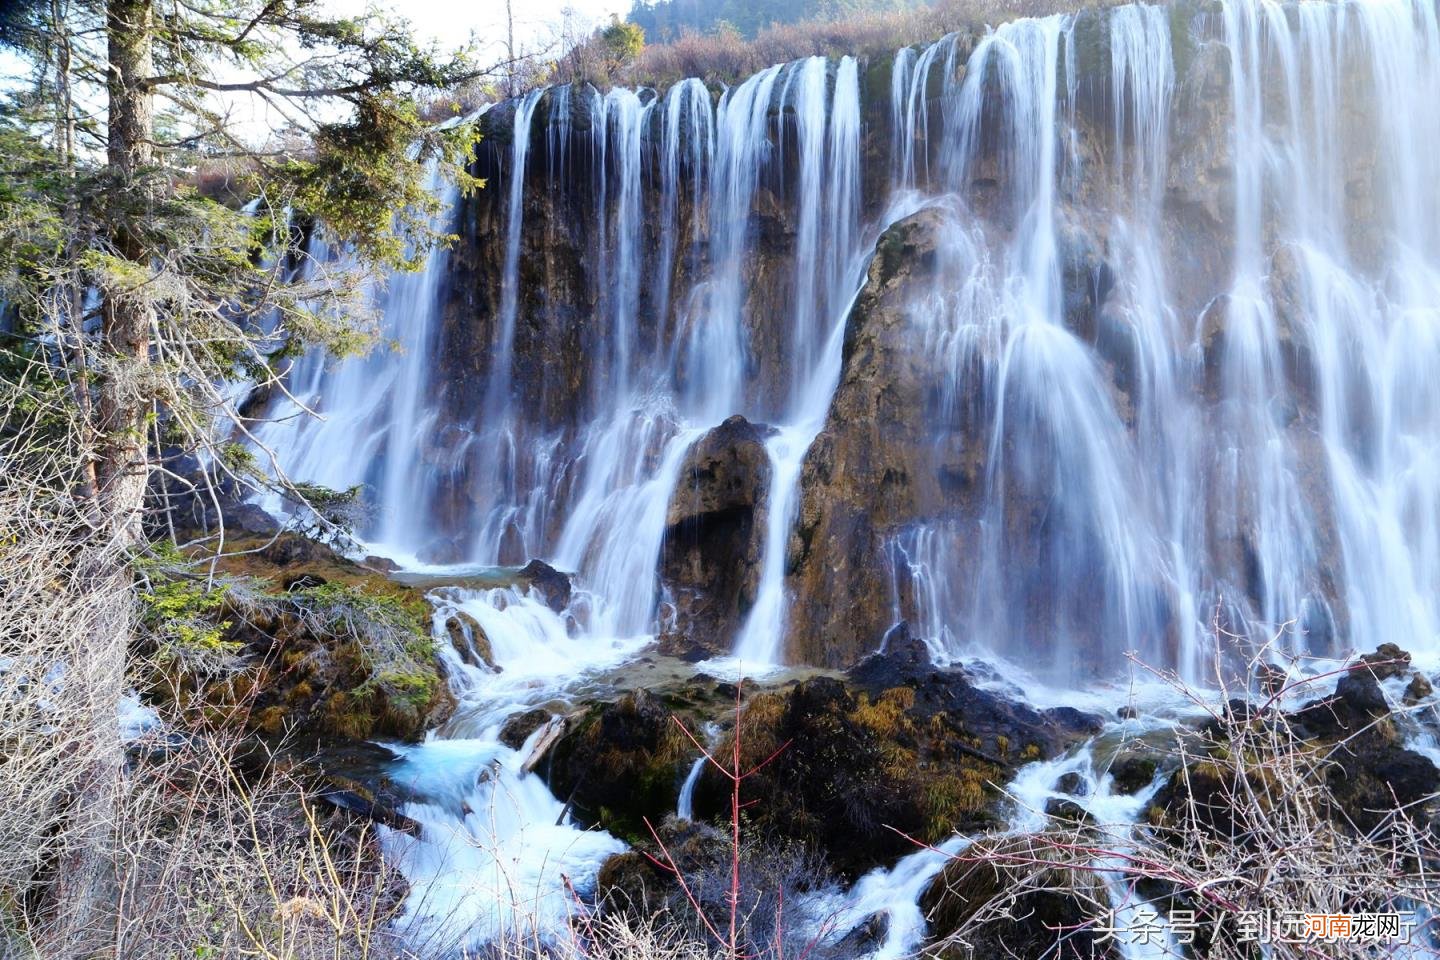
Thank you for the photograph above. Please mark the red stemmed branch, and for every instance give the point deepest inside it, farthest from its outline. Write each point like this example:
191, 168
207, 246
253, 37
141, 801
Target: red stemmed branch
737, 775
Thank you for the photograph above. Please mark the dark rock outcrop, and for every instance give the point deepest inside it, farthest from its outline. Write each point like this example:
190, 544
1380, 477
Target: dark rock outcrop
773, 876
714, 537
853, 763
1348, 740
552, 585
621, 763
518, 727
1041, 920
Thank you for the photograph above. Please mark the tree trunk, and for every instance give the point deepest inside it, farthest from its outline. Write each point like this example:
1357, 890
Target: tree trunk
128, 314
79, 919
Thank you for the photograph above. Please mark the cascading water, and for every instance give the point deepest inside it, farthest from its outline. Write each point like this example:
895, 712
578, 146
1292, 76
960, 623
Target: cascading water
1197, 489
761, 641
1188, 351
373, 412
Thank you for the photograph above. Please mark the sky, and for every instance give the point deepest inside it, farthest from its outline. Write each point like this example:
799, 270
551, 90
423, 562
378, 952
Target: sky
453, 22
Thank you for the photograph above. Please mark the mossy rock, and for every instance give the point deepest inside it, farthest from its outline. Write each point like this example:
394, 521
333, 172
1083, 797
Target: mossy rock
323, 649
1043, 921
848, 769
621, 763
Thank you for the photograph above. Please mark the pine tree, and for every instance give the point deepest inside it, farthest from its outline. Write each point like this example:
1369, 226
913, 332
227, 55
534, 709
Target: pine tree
137, 284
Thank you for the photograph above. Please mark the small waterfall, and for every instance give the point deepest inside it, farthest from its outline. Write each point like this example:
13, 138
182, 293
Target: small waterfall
495, 845
762, 638
806, 93
895, 892
628, 116
715, 351
498, 390
689, 146
685, 808
375, 412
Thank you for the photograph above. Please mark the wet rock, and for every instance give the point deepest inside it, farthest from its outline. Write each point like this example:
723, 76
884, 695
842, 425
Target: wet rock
1126, 712
1287, 295
865, 938
293, 549
470, 641
1236, 711
714, 537
902, 657
518, 727
1073, 784
353, 778
1213, 323
367, 808
1418, 689
1133, 773
1042, 921
1086, 279
1002, 725
552, 585
1360, 690
1061, 808
620, 763
1386, 662
1368, 784
861, 761
1270, 679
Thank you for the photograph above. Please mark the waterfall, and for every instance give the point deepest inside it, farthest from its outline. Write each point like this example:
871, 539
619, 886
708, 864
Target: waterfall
761, 640
1176, 359
1169, 436
811, 111
688, 147
375, 412
1208, 493
498, 390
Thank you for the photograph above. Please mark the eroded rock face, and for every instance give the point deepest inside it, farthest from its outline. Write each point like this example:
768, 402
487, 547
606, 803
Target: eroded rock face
872, 466
714, 537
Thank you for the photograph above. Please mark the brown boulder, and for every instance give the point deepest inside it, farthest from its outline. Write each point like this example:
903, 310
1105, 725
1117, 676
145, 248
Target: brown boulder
714, 537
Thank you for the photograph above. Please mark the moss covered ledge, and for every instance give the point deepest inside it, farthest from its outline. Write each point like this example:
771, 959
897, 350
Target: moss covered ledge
293, 641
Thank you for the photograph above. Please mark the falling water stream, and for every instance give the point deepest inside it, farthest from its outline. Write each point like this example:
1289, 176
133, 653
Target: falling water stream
1243, 429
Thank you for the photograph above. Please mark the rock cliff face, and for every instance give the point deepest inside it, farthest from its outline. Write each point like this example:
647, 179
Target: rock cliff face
873, 468
1086, 333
